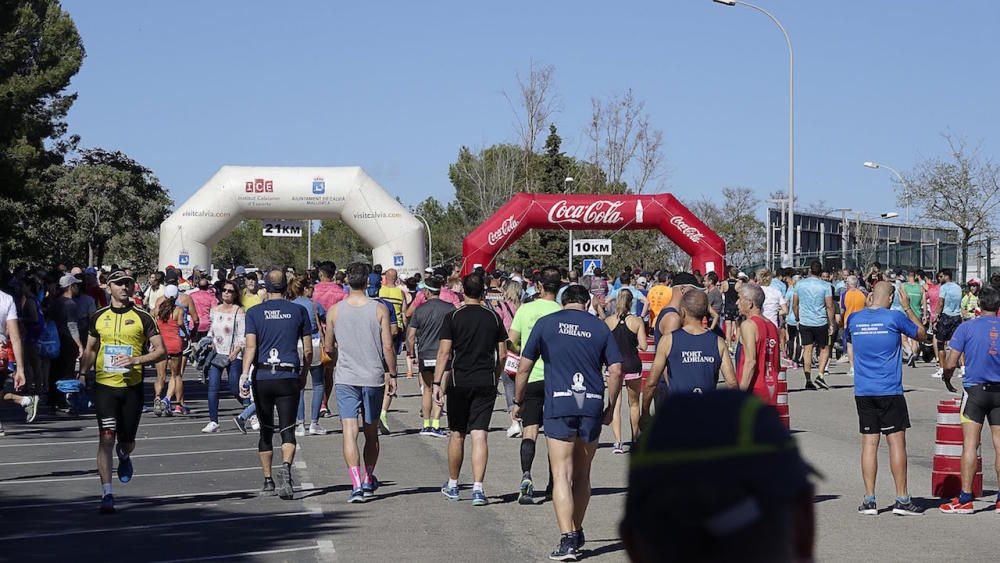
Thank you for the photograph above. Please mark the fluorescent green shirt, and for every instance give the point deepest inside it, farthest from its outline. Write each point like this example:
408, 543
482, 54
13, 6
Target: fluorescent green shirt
524, 320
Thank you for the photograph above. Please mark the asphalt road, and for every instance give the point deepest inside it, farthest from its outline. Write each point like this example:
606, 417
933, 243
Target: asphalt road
194, 495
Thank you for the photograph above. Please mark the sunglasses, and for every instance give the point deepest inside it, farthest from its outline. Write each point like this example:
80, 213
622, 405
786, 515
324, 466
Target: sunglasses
228, 290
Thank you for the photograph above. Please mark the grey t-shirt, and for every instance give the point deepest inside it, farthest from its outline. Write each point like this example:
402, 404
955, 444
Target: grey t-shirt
427, 321
715, 299
359, 345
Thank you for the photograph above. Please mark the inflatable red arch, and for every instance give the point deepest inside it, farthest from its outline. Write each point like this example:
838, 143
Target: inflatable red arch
594, 212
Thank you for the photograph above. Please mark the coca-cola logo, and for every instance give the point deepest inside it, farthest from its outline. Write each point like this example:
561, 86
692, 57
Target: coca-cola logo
505, 228
602, 212
687, 230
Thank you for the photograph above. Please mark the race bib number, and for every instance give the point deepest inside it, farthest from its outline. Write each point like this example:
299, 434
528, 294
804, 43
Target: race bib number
511, 364
430, 363
112, 351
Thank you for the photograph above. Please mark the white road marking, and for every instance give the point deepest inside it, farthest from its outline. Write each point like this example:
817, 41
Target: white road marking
91, 477
245, 554
153, 526
91, 458
326, 547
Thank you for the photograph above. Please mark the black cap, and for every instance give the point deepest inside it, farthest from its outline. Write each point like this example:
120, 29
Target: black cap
119, 276
684, 278
432, 283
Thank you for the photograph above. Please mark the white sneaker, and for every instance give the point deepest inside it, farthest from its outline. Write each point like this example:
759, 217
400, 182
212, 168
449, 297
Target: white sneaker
316, 430
254, 423
514, 431
211, 427
937, 374
961, 371
850, 372
300, 429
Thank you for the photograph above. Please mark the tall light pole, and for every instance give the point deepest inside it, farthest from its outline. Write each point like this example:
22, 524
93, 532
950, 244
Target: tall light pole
567, 186
791, 122
902, 182
430, 246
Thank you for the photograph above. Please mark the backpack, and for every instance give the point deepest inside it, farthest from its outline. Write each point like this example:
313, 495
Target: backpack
374, 284
48, 341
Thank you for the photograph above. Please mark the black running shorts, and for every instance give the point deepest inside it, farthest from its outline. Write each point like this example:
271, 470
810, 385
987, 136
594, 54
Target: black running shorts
886, 414
815, 335
119, 409
981, 403
470, 408
946, 327
533, 404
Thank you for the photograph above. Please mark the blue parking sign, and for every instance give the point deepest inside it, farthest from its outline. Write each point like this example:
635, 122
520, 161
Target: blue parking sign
397, 261
184, 259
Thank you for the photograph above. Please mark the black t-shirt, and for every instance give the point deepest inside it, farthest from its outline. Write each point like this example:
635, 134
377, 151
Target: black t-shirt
474, 332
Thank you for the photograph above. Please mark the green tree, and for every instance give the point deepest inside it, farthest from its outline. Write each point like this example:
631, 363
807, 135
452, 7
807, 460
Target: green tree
40, 51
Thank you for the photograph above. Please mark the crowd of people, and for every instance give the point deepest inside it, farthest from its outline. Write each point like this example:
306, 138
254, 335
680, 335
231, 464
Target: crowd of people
563, 345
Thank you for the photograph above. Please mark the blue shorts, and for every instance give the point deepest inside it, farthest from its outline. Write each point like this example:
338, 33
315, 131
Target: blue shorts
569, 428
353, 400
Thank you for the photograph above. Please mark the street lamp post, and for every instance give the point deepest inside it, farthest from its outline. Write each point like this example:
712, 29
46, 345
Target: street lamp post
791, 121
430, 244
876, 166
567, 185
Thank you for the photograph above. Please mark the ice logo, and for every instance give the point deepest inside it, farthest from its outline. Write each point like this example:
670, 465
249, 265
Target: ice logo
579, 389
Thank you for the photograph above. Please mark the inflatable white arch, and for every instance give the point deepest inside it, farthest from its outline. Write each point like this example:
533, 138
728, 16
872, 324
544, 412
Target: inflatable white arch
347, 193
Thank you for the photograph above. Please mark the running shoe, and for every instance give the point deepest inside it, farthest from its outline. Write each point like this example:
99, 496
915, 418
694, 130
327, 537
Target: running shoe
357, 495
316, 430
254, 423
107, 504
868, 508
514, 431
167, 409
211, 428
31, 409
240, 424
580, 539
567, 550
526, 494
427, 431
182, 409
383, 426
908, 509
285, 490
479, 498
826, 372
2, 433
450, 492
955, 507
810, 386
157, 406
300, 429
938, 374
268, 489
125, 469
369, 488
821, 382
618, 448
324, 412
439, 433
960, 372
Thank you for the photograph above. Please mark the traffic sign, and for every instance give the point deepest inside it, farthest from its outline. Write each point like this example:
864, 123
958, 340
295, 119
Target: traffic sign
591, 264
591, 246
283, 229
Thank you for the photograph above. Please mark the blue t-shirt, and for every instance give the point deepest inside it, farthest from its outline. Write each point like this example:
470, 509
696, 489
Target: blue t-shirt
779, 285
575, 347
812, 293
790, 298
878, 358
279, 325
951, 295
637, 297
313, 310
978, 339
838, 287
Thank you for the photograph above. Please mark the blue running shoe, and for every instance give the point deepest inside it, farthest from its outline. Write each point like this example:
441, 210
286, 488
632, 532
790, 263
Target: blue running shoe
357, 495
450, 492
168, 410
479, 498
107, 504
368, 489
125, 469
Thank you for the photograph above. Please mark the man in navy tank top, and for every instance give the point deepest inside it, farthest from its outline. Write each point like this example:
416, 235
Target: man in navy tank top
692, 355
575, 347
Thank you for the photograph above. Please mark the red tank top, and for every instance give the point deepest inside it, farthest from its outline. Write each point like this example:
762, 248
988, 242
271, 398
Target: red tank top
765, 373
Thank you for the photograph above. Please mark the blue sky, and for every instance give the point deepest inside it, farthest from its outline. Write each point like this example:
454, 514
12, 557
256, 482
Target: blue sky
398, 87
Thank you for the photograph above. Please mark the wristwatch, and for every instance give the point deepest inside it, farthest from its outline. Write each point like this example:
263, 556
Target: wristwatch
517, 403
